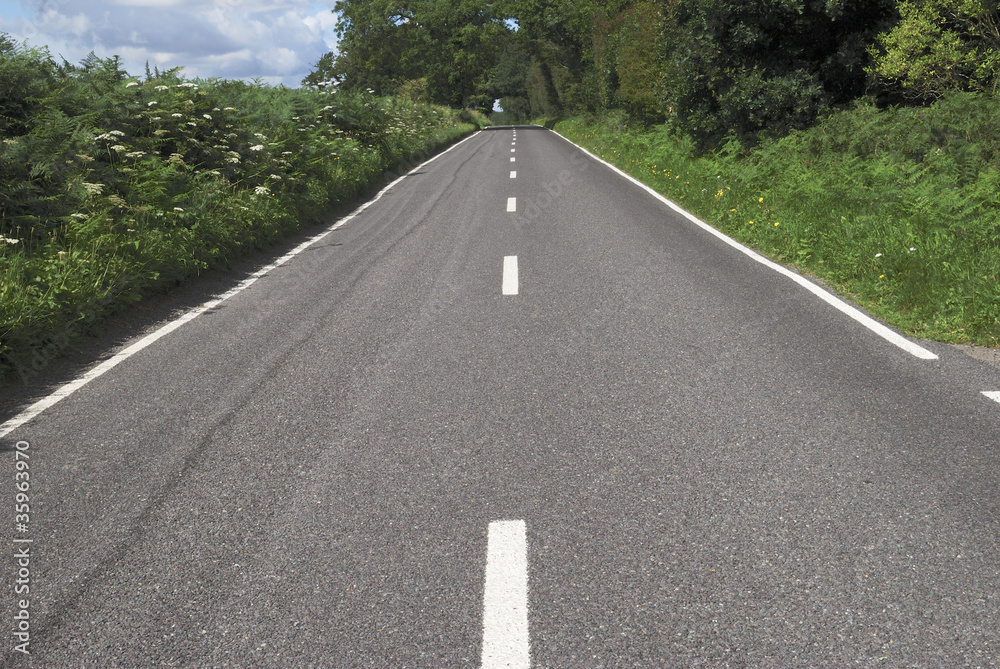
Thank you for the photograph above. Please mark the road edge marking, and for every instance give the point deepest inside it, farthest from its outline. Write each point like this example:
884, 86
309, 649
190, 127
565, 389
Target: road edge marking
853, 312
71, 387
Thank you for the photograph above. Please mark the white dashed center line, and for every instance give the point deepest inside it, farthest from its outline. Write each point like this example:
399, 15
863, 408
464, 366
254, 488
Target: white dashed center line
510, 282
512, 159
513, 175
505, 597
512, 204
513, 150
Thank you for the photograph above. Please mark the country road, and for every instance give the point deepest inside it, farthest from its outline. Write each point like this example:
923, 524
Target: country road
517, 411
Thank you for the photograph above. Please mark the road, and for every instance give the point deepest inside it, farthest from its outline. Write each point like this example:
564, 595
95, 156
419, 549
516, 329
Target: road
515, 411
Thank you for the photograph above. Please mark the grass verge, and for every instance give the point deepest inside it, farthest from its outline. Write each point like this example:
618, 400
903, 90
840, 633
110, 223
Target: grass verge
898, 209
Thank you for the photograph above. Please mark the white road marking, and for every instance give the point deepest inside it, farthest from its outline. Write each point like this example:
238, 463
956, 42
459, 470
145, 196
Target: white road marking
68, 389
510, 281
512, 159
993, 395
505, 597
513, 150
834, 301
512, 204
513, 175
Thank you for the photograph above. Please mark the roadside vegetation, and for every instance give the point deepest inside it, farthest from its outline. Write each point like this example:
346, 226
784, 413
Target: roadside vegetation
898, 209
115, 186
854, 139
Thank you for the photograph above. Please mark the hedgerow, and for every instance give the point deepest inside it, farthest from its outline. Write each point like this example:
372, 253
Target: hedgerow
115, 186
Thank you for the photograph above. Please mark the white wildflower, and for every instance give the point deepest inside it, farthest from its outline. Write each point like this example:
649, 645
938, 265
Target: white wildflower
230, 108
192, 124
286, 153
912, 248
116, 133
257, 147
187, 85
163, 88
178, 209
878, 255
261, 190
93, 189
276, 177
131, 84
233, 159
177, 115
82, 217
152, 103
9, 240
207, 116
119, 148
135, 154
260, 135
157, 118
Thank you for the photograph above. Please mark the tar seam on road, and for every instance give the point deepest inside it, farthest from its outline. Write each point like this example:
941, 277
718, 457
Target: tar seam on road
870, 323
68, 389
505, 597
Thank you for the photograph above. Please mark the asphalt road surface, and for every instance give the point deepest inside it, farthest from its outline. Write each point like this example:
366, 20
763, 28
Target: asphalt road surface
516, 412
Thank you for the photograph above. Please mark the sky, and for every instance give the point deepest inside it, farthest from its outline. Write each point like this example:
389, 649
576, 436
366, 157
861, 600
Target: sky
277, 41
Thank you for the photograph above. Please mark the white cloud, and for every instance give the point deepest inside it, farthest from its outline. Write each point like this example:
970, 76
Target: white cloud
276, 40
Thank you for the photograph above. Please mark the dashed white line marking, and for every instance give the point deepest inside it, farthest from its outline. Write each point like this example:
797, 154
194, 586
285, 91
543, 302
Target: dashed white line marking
509, 286
512, 204
993, 395
834, 301
68, 389
512, 159
513, 175
505, 597
513, 150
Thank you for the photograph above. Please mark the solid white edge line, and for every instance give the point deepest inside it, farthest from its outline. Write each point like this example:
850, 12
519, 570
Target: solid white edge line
512, 204
992, 394
505, 597
510, 281
829, 298
68, 389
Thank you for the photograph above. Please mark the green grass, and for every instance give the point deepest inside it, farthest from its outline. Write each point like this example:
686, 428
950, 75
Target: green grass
113, 187
897, 209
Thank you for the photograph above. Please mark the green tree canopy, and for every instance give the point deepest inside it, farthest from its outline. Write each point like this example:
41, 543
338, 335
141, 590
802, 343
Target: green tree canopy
452, 45
940, 45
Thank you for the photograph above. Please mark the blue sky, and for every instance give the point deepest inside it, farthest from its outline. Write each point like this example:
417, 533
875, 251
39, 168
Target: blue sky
276, 40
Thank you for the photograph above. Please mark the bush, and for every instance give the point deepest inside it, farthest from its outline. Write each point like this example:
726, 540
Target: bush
113, 187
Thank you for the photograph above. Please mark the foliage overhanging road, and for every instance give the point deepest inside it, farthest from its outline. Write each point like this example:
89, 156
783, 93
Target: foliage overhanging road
712, 465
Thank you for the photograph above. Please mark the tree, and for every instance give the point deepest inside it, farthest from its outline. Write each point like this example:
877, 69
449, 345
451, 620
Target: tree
758, 67
451, 45
940, 45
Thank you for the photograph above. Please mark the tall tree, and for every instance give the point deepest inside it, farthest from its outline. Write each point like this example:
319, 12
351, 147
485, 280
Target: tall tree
452, 45
755, 67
